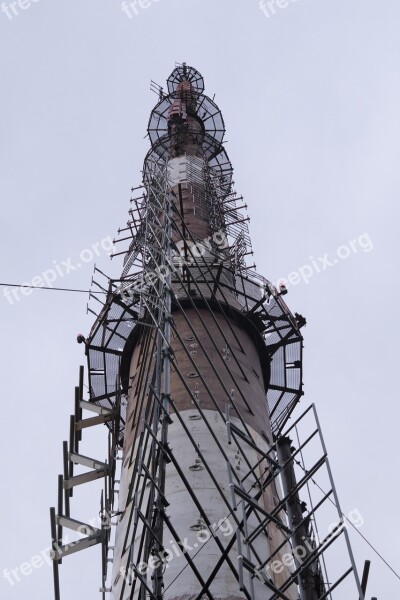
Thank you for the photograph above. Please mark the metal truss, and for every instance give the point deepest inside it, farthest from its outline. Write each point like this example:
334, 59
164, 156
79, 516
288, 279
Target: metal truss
186, 306
296, 464
69, 480
247, 294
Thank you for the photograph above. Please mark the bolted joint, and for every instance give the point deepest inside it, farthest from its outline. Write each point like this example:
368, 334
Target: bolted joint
300, 320
167, 352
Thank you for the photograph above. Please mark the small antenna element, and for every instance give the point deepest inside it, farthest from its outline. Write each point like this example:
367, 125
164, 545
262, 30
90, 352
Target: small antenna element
157, 89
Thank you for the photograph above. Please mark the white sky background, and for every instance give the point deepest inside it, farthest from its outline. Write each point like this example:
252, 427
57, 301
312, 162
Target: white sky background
310, 97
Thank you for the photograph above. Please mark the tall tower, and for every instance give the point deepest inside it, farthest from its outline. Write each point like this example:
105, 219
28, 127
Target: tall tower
195, 366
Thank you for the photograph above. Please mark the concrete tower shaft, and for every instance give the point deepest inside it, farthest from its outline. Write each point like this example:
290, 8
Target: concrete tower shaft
187, 164
185, 128
216, 358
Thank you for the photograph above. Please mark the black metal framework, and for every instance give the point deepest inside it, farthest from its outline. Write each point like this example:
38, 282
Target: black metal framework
185, 73
280, 331
161, 282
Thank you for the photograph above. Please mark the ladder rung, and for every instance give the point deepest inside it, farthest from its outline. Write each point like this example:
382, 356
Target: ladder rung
84, 478
92, 421
79, 459
79, 526
67, 549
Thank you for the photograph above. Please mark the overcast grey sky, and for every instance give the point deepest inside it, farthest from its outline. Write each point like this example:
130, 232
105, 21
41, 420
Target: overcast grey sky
310, 94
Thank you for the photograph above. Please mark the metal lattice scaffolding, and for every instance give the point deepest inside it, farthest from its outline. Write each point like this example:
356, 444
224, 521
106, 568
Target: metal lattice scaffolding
195, 367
